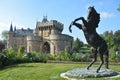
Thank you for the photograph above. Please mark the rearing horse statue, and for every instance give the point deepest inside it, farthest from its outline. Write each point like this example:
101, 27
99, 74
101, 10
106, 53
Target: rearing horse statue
89, 28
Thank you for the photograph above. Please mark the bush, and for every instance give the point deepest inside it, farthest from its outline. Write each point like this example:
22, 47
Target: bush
20, 51
112, 55
76, 57
80, 58
29, 57
51, 57
118, 57
10, 56
3, 59
7, 57
41, 57
63, 56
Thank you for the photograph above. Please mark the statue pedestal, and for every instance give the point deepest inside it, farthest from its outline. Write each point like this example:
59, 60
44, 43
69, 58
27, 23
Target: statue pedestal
91, 73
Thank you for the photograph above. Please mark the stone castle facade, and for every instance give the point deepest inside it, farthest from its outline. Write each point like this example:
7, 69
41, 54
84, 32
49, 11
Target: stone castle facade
47, 37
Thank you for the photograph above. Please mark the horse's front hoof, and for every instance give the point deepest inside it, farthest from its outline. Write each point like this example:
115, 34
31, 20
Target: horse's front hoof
107, 67
87, 68
97, 71
70, 30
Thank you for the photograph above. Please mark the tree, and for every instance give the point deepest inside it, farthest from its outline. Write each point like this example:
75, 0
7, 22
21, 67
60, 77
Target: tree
117, 40
118, 8
77, 44
112, 39
109, 37
4, 35
117, 33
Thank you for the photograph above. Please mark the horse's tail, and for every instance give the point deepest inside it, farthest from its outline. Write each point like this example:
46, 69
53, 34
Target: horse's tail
106, 58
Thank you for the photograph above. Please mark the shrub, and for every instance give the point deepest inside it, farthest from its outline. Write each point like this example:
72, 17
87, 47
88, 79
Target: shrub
112, 55
51, 57
10, 56
118, 57
3, 59
63, 56
41, 57
20, 51
29, 57
76, 57
80, 58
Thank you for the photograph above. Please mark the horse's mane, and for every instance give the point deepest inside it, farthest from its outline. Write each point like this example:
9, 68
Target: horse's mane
93, 16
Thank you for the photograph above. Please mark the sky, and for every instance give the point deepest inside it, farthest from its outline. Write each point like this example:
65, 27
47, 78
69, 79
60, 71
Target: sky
25, 14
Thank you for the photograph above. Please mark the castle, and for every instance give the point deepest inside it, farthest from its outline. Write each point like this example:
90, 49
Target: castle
47, 37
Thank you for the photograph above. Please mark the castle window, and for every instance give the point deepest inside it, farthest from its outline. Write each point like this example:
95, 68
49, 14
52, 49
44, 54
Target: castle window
15, 41
49, 31
15, 45
22, 41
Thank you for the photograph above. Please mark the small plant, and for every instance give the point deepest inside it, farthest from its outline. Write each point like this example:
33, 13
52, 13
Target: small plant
80, 58
63, 56
41, 57
20, 51
3, 59
30, 57
76, 57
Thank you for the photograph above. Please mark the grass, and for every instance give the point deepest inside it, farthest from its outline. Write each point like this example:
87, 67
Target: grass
42, 71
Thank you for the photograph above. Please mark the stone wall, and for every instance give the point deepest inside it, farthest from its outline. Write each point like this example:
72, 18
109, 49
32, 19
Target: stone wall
61, 43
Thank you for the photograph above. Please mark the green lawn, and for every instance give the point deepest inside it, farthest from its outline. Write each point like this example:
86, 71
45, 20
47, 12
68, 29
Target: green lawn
42, 71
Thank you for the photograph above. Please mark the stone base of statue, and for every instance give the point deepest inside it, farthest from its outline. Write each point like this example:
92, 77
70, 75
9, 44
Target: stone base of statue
91, 73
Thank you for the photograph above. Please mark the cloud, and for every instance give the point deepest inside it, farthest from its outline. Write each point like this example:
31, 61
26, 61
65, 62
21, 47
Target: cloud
106, 15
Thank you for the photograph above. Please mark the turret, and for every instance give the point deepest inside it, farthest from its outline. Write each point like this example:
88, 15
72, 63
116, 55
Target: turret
11, 28
15, 28
46, 28
10, 36
44, 19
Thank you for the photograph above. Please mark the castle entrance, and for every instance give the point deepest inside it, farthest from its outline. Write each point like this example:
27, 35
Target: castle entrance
46, 47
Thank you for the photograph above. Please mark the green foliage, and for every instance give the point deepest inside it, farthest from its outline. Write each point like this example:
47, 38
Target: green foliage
118, 8
52, 57
112, 56
20, 51
80, 58
29, 57
76, 57
8, 57
3, 59
113, 41
4, 35
41, 57
77, 44
63, 56
118, 56
12, 56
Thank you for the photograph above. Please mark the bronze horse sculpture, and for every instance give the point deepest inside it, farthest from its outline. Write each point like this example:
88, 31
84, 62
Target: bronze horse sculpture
89, 28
